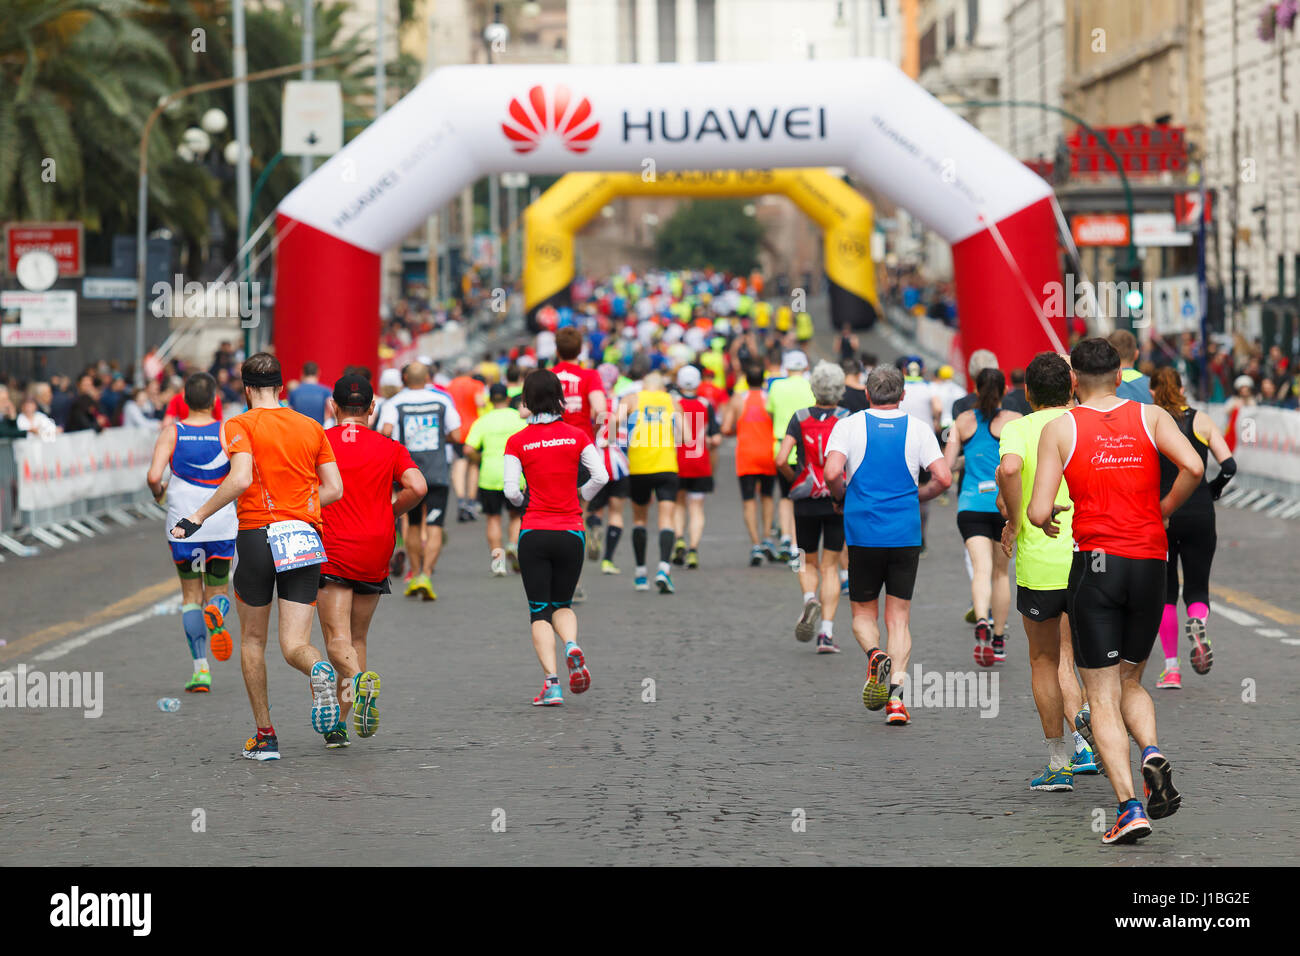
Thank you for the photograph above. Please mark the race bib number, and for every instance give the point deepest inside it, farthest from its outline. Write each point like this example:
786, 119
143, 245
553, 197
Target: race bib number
987, 487
294, 544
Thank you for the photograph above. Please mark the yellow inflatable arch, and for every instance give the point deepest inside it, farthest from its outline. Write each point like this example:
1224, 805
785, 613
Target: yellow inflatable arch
843, 214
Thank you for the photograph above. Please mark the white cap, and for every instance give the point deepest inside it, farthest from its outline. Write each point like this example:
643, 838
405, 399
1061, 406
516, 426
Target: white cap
425, 360
794, 361
688, 379
390, 376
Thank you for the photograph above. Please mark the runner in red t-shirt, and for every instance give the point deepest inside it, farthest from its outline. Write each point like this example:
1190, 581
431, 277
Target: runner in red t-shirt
584, 392
177, 410
358, 536
1108, 450
701, 435
548, 454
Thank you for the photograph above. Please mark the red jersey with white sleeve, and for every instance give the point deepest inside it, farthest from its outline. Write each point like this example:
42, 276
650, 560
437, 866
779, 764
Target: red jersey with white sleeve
548, 454
1113, 474
578, 384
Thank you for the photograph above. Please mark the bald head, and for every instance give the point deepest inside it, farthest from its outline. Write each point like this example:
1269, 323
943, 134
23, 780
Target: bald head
415, 375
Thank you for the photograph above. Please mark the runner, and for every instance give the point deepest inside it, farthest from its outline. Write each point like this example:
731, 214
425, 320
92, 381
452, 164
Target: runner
1107, 449
584, 406
1191, 532
700, 439
547, 454
1042, 574
468, 394
785, 396
358, 540
1133, 384
652, 415
819, 527
748, 420
283, 472
974, 437
873, 463
192, 448
485, 447
425, 421
921, 402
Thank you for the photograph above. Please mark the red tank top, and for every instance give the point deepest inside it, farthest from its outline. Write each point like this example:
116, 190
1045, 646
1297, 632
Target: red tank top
693, 460
1114, 479
754, 437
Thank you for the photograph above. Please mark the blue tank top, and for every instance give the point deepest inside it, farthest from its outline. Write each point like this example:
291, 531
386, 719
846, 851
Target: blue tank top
979, 487
199, 457
881, 508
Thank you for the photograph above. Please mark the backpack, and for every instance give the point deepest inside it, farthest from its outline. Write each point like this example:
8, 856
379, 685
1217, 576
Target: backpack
815, 434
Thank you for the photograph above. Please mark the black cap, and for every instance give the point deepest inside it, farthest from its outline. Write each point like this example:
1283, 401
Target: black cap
498, 392
353, 391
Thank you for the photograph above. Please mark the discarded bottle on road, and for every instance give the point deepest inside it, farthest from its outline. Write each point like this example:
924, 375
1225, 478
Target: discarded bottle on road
169, 705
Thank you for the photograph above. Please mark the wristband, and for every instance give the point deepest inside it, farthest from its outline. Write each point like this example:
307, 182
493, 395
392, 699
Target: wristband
188, 526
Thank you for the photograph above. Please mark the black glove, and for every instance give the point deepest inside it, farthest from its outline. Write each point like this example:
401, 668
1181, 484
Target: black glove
1227, 468
188, 526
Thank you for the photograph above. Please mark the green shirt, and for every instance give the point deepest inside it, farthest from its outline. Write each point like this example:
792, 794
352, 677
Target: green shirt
488, 435
1042, 563
785, 397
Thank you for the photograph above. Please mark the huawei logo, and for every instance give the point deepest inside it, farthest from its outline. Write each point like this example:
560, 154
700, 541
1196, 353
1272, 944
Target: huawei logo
533, 118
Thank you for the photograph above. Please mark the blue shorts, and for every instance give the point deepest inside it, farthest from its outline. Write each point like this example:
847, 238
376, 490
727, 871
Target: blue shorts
183, 550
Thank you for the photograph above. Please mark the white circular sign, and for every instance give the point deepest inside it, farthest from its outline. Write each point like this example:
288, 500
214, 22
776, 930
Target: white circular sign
37, 270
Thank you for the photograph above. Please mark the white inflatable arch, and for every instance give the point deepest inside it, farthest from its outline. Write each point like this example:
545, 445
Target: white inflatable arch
465, 122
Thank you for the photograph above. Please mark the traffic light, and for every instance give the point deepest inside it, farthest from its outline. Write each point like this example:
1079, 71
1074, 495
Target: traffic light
1131, 275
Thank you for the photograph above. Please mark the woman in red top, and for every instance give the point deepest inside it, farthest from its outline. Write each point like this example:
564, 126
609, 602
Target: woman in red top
700, 439
748, 420
548, 454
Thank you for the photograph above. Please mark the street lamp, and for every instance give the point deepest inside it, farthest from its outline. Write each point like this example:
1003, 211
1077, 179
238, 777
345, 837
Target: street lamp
495, 36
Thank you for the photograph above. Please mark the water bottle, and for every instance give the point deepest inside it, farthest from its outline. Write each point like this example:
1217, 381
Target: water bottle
169, 705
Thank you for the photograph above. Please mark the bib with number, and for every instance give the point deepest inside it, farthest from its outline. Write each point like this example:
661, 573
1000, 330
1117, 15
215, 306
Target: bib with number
294, 544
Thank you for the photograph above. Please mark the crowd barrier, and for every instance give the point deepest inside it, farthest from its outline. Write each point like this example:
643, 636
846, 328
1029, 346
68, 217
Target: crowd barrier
66, 488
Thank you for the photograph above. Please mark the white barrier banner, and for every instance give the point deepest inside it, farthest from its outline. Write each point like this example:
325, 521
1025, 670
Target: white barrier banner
1268, 443
81, 465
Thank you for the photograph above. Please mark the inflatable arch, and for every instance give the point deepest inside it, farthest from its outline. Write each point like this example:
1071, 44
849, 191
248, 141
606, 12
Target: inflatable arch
844, 215
464, 122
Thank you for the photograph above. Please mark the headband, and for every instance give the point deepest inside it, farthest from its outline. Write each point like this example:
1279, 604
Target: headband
267, 380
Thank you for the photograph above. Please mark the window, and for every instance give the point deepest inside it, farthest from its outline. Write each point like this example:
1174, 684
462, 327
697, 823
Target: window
972, 20
667, 31
929, 46
705, 31
950, 32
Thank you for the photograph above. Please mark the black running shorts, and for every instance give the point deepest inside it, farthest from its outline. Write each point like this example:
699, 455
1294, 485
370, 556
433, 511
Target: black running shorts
433, 508
980, 524
1041, 605
761, 483
812, 532
661, 484
1115, 605
892, 568
615, 488
550, 562
494, 502
358, 587
256, 580
701, 485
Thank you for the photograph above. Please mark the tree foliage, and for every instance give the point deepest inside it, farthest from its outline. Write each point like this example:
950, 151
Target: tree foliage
710, 233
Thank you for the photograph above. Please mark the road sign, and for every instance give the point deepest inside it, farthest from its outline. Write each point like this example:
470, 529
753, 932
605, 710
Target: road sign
63, 240
101, 288
311, 118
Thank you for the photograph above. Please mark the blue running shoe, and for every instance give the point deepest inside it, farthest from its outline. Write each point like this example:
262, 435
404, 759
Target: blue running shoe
1053, 780
641, 583
550, 696
1130, 826
1084, 761
257, 747
1158, 785
324, 699
664, 581
844, 586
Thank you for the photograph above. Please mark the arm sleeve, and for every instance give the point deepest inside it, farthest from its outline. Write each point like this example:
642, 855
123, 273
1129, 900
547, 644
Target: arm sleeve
514, 470
594, 462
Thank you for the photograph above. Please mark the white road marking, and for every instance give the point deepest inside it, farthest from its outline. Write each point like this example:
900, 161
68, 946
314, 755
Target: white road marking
64, 647
1270, 632
1236, 617
1295, 641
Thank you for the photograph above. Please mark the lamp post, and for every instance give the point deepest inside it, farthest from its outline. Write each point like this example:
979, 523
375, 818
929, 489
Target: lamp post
495, 34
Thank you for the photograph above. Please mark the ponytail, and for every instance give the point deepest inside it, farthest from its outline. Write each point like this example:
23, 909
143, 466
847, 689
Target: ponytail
1167, 390
990, 386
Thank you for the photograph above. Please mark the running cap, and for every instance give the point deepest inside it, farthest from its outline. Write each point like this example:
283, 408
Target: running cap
945, 372
353, 391
1243, 381
390, 377
794, 361
497, 391
425, 359
688, 379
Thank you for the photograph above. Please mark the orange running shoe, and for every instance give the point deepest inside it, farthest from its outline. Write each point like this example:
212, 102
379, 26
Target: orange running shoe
896, 712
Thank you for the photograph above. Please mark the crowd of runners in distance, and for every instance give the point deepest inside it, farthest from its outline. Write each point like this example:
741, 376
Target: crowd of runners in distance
622, 405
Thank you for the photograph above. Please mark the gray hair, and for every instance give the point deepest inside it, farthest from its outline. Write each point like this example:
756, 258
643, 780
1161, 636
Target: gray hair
980, 359
827, 383
885, 385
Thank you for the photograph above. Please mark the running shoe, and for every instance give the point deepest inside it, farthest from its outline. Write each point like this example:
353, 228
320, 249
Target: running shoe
1131, 824
875, 692
200, 682
499, 564
896, 714
692, 560
579, 676
679, 552
1084, 762
768, 550
664, 582
1202, 656
337, 737
1170, 680
550, 696
826, 645
221, 644
787, 551
810, 621
844, 586
1053, 780
609, 567
983, 644
413, 586
1158, 785
324, 701
214, 615
513, 557
755, 556
365, 703
970, 615
423, 587
1083, 724
397, 563
999, 648
262, 748
641, 583
593, 543
579, 595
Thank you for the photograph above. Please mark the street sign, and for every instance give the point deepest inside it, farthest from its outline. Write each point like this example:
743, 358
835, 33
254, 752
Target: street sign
1158, 229
311, 118
1175, 305
514, 180
38, 318
100, 288
1187, 209
63, 240
1100, 230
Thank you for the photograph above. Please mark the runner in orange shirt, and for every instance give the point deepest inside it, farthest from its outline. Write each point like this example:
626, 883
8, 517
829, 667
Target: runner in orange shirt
747, 418
469, 395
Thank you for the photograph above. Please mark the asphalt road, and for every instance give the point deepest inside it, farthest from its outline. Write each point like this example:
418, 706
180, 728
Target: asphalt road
753, 750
